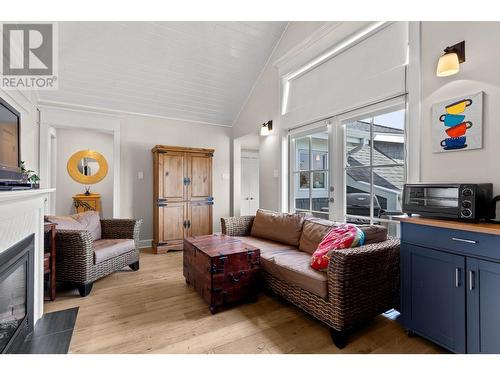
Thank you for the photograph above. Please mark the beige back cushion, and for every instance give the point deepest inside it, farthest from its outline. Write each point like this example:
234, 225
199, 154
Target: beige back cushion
280, 227
374, 233
315, 229
88, 220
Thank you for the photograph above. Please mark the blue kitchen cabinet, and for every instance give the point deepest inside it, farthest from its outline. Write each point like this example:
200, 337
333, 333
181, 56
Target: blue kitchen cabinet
483, 306
433, 301
450, 286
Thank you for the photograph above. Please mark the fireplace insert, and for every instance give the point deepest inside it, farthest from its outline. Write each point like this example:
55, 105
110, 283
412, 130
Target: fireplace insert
16, 294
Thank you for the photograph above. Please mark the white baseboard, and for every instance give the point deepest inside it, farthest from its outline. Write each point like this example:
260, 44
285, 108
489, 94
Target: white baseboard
145, 243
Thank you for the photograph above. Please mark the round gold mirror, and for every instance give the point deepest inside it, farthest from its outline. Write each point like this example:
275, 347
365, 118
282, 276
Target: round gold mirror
87, 167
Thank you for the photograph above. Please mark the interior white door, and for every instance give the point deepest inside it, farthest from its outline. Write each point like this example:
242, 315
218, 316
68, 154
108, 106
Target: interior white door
249, 186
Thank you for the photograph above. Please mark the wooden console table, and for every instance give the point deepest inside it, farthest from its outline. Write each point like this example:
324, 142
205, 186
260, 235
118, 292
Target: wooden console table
49, 257
91, 202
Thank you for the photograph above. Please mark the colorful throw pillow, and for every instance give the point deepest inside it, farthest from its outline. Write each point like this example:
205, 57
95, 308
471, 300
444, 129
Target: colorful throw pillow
342, 237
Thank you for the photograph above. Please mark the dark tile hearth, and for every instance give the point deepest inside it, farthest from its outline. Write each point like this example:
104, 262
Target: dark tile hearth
52, 333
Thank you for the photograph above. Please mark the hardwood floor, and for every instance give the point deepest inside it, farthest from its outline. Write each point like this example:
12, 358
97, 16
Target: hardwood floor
154, 311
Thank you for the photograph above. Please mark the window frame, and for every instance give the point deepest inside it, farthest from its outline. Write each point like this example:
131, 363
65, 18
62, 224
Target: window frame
312, 171
294, 171
336, 160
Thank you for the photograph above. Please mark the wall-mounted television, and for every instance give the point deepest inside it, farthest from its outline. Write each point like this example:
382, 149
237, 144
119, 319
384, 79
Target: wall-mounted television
10, 146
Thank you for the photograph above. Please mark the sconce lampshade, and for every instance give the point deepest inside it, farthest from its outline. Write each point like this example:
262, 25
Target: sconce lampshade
448, 65
266, 128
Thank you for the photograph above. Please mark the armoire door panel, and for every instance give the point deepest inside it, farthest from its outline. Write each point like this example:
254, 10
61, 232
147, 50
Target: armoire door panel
200, 218
172, 218
182, 195
172, 176
200, 173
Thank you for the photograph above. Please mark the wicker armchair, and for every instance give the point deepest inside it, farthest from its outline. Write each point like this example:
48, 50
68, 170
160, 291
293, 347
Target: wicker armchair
363, 282
75, 258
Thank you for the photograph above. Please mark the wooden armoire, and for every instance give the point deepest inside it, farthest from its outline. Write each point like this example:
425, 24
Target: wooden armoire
182, 195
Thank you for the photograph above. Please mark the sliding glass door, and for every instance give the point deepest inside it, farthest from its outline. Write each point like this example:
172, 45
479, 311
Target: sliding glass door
310, 176
374, 167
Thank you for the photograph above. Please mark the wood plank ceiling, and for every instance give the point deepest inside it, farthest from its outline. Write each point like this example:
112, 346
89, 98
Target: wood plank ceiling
198, 71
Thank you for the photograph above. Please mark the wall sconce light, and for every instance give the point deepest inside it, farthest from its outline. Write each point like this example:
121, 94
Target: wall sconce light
266, 128
448, 64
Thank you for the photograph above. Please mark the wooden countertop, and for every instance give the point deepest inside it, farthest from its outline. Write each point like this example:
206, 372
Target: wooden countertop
481, 227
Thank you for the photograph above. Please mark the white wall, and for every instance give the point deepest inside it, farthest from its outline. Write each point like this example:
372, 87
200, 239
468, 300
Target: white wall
479, 72
139, 134
263, 105
70, 141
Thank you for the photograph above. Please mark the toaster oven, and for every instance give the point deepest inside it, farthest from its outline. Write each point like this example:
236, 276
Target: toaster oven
467, 202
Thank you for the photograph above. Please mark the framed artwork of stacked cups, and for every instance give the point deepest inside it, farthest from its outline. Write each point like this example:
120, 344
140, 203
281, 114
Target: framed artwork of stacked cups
457, 124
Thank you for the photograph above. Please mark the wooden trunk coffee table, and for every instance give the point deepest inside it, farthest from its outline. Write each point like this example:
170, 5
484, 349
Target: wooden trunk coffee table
222, 269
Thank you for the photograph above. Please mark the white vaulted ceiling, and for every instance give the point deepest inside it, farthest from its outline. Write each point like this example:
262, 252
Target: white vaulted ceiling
199, 71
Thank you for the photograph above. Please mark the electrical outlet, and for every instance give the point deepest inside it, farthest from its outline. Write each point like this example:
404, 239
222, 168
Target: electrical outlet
140, 175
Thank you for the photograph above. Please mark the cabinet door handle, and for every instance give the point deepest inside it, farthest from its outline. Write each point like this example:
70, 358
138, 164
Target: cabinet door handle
457, 277
463, 240
472, 277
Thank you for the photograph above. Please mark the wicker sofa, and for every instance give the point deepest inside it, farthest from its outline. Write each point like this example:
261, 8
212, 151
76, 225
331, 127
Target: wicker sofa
360, 284
93, 248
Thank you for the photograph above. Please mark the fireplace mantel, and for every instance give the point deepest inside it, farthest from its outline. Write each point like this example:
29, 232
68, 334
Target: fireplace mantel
6, 196
21, 214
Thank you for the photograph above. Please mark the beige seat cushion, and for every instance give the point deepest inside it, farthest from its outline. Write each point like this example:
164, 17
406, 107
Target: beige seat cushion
265, 245
88, 220
289, 264
280, 227
110, 248
292, 267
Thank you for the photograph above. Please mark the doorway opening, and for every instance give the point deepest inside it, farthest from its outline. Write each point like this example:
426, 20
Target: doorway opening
246, 175
249, 182
64, 143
